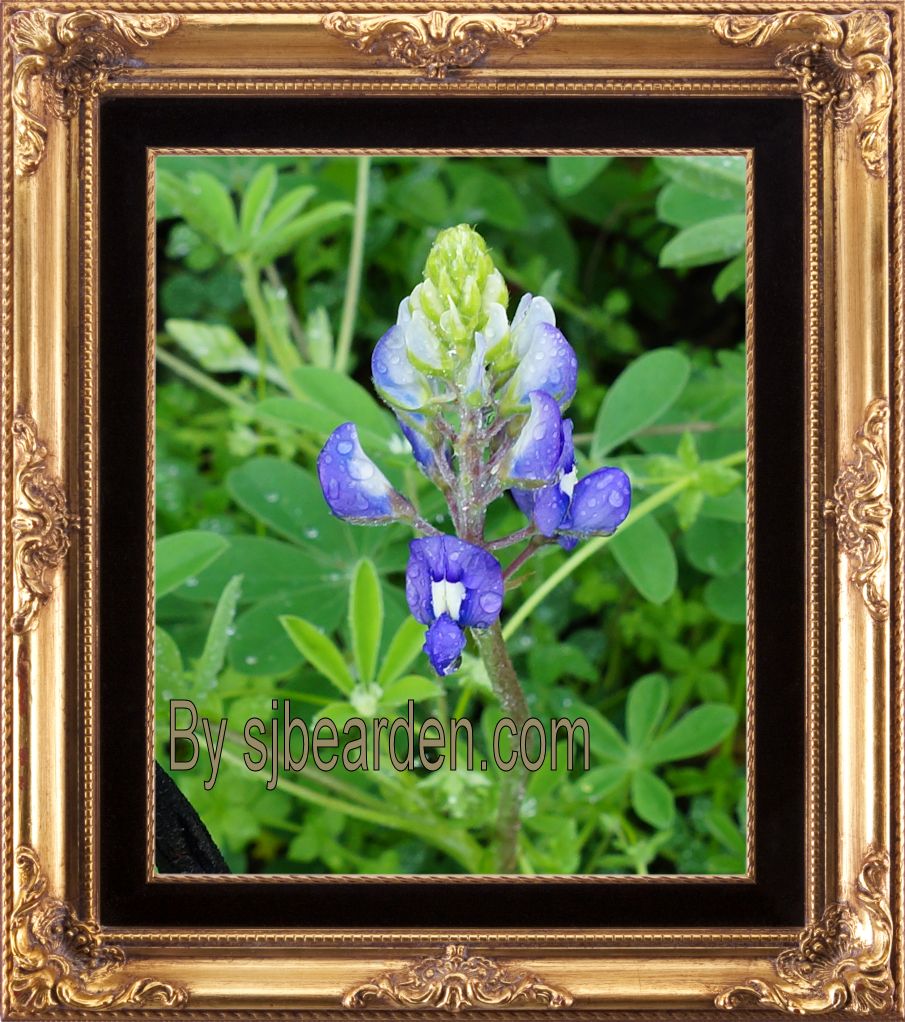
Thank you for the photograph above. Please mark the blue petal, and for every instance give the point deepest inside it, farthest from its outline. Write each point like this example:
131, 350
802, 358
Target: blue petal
353, 486
547, 507
422, 552
600, 503
421, 449
484, 588
537, 451
531, 314
443, 644
396, 379
549, 364
550, 507
447, 557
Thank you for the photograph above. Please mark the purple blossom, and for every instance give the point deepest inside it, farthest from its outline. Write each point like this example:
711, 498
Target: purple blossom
354, 487
396, 379
536, 454
570, 509
546, 360
451, 585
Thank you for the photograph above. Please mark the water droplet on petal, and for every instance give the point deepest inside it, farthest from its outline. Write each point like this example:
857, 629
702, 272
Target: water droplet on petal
344, 447
490, 602
360, 469
616, 499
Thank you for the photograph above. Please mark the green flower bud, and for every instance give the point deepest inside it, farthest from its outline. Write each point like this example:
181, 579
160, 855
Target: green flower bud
461, 287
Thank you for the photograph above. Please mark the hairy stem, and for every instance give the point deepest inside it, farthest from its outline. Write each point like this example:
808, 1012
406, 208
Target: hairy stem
356, 260
492, 648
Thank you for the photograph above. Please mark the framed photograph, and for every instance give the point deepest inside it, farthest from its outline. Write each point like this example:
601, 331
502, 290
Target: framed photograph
452, 509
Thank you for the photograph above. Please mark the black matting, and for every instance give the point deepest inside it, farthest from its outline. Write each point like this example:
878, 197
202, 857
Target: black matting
773, 128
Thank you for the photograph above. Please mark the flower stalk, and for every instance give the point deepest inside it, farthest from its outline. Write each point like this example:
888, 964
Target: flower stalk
480, 400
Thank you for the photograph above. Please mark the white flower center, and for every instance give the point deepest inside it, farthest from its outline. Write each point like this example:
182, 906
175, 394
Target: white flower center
447, 597
568, 481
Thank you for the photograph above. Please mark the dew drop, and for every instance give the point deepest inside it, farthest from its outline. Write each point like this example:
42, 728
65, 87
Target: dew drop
251, 660
344, 447
311, 533
616, 499
360, 469
191, 582
490, 602
271, 498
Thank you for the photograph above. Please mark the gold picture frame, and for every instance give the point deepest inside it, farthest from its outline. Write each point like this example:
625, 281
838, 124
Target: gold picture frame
840, 62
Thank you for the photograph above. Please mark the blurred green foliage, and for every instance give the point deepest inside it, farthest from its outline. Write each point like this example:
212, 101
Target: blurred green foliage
276, 277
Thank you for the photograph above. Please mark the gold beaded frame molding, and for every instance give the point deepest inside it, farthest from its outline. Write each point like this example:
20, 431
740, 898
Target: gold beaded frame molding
842, 61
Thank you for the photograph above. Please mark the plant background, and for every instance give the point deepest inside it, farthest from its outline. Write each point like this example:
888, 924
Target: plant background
276, 276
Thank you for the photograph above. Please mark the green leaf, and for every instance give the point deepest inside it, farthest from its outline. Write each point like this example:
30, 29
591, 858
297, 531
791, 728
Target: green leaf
336, 392
720, 177
270, 567
712, 241
485, 198
411, 686
288, 500
269, 246
182, 556
404, 648
255, 201
365, 619
215, 347
682, 207
320, 652
606, 742
642, 392
599, 782
168, 669
645, 706
570, 174
730, 278
209, 209
645, 554
694, 734
210, 663
714, 546
726, 597
285, 208
261, 645
547, 664
652, 800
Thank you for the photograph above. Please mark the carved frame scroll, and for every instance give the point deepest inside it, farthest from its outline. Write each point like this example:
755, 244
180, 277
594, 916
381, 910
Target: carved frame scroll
841, 63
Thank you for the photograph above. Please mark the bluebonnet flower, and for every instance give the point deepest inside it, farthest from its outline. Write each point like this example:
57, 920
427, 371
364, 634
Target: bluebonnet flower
571, 509
397, 381
480, 402
451, 585
537, 451
545, 359
353, 486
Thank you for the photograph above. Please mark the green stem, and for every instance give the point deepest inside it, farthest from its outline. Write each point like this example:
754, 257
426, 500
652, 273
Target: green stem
455, 846
592, 547
356, 260
492, 648
269, 337
202, 381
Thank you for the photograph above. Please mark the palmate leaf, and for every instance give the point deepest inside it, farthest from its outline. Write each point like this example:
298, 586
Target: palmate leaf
645, 706
694, 734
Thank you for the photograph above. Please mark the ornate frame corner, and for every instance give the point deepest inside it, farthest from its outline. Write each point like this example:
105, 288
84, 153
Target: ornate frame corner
68, 57
844, 65
60, 961
841, 961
